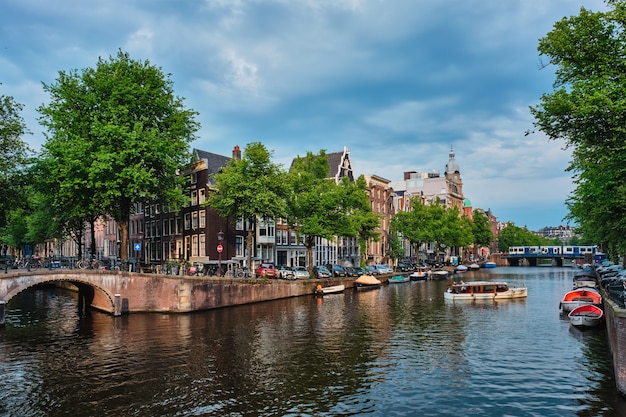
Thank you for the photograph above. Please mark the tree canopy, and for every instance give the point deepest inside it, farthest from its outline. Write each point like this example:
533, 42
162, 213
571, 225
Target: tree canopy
14, 159
251, 188
117, 135
587, 109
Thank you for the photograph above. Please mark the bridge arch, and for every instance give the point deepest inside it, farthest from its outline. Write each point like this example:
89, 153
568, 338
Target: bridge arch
82, 282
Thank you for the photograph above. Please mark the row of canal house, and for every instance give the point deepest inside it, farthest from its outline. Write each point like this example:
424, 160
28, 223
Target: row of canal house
158, 235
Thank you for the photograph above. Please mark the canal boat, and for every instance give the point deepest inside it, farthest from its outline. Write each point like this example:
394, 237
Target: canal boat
580, 297
473, 266
459, 269
419, 274
333, 289
588, 315
366, 282
488, 264
584, 279
439, 274
398, 279
483, 290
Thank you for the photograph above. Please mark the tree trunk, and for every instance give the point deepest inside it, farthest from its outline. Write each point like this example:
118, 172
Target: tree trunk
122, 227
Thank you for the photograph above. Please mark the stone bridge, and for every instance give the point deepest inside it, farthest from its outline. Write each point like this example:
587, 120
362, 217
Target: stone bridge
119, 293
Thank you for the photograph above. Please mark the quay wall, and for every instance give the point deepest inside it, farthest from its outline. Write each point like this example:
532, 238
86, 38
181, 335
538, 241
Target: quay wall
616, 329
150, 293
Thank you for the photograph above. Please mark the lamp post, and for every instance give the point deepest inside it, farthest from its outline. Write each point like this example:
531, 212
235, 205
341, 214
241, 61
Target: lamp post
220, 248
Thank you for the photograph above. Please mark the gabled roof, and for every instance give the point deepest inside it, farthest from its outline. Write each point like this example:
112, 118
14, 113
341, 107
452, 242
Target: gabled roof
213, 161
339, 165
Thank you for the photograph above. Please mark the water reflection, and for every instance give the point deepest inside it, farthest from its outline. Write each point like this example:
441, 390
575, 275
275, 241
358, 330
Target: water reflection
399, 350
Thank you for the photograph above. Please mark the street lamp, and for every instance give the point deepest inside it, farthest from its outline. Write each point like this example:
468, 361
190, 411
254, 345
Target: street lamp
220, 248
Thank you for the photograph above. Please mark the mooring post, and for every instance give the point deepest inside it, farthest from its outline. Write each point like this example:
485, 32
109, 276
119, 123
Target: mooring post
117, 305
2, 305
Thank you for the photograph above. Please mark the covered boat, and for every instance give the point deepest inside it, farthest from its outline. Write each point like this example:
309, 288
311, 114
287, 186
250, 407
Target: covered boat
585, 279
366, 282
588, 315
439, 274
483, 290
579, 297
459, 269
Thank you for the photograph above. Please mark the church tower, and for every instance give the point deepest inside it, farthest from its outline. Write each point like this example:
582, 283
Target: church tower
454, 182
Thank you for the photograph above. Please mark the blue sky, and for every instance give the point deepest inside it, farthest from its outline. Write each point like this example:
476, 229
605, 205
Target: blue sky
398, 82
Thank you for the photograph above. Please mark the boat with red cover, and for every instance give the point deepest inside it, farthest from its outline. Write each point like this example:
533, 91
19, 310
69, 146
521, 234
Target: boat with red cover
588, 315
579, 297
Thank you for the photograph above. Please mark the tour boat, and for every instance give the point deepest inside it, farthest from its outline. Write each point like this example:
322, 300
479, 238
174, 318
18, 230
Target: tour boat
483, 290
366, 282
579, 297
333, 289
398, 279
588, 315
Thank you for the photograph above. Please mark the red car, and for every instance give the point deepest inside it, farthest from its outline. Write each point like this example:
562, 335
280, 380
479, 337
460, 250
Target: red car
266, 271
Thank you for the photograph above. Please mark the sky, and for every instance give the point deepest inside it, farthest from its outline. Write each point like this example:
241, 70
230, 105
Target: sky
397, 82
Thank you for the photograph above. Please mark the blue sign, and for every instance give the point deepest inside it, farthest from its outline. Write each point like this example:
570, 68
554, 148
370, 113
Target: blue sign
137, 246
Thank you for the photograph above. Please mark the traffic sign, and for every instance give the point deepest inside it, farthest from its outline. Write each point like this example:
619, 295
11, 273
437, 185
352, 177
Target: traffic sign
220, 248
137, 246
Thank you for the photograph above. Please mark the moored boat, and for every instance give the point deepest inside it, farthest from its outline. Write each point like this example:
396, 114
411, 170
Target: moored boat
366, 282
439, 274
419, 274
588, 315
333, 289
474, 266
398, 279
585, 279
459, 269
483, 290
488, 264
580, 297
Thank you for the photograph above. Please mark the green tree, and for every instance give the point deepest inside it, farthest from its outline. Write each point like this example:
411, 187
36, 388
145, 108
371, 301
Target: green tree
587, 109
251, 188
317, 207
481, 230
413, 225
14, 158
117, 135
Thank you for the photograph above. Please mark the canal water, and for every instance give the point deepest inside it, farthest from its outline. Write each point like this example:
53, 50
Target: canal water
401, 350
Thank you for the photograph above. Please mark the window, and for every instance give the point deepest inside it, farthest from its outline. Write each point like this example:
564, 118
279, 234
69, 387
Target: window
194, 245
202, 219
194, 198
187, 221
194, 177
239, 246
239, 224
201, 195
194, 220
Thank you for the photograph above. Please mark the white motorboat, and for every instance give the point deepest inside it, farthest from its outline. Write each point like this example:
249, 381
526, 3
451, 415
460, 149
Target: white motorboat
333, 289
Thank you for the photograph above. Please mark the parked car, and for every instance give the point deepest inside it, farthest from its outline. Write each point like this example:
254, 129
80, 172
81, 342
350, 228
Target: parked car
339, 271
321, 271
300, 272
354, 271
266, 270
284, 272
371, 270
384, 269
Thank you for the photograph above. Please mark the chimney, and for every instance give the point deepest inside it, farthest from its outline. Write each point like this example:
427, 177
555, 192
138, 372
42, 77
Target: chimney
236, 153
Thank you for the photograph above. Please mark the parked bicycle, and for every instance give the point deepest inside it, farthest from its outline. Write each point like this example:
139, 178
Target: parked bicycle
88, 264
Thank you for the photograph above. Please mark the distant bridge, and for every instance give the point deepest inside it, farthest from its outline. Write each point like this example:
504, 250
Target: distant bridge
533, 254
119, 293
